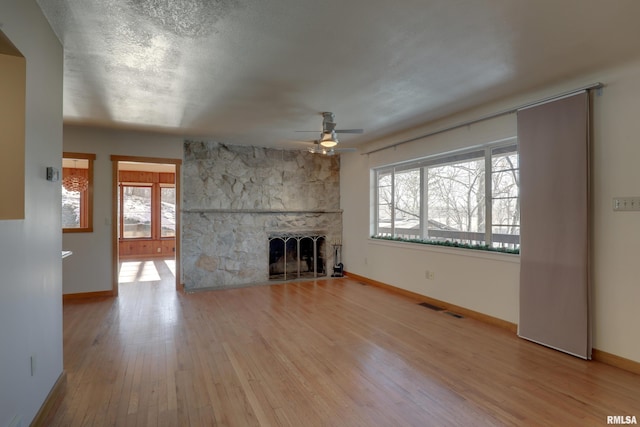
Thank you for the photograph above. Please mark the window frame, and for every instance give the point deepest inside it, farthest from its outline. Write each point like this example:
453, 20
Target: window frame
490, 223
485, 151
121, 228
162, 186
86, 197
156, 210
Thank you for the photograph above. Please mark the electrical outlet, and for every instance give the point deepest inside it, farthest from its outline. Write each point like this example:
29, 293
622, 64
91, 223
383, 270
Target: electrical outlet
159, 250
429, 275
626, 203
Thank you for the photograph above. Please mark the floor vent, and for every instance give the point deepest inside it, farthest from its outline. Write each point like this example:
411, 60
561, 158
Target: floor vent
431, 306
456, 315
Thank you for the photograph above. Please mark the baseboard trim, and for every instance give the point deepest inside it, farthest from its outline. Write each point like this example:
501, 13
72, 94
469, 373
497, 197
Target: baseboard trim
51, 403
596, 355
617, 361
512, 327
85, 295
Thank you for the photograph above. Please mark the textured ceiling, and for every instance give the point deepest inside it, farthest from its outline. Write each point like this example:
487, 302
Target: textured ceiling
254, 72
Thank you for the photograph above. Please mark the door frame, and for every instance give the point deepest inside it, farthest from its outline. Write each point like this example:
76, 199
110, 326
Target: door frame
115, 267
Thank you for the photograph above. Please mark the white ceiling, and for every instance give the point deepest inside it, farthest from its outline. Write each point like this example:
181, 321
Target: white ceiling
255, 72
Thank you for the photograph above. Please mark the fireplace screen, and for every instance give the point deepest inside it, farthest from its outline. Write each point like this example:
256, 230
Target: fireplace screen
296, 257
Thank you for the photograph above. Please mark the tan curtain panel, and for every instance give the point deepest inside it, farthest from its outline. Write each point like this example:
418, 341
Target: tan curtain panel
554, 254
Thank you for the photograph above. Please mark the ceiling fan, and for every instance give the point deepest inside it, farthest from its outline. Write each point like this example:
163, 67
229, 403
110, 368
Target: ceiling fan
319, 149
328, 137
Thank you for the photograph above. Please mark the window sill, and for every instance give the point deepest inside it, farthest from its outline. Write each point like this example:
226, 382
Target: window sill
78, 230
462, 252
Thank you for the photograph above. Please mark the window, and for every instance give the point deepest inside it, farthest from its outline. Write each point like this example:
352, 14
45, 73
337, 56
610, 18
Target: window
505, 199
147, 210
469, 197
168, 211
136, 211
77, 192
406, 196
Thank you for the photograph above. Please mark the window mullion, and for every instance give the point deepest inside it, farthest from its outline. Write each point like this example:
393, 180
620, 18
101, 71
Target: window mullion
424, 202
488, 204
121, 213
155, 211
376, 204
393, 202
83, 208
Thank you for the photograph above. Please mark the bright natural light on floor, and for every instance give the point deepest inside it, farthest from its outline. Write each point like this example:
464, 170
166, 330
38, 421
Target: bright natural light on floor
171, 264
138, 271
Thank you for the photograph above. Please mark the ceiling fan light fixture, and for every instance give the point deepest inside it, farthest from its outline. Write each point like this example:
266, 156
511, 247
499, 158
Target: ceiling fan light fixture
328, 144
329, 140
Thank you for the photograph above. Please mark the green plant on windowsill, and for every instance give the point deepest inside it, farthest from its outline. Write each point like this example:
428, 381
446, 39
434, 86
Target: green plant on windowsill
449, 244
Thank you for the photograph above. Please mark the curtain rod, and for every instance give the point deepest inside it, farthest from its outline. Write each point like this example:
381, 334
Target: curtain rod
490, 116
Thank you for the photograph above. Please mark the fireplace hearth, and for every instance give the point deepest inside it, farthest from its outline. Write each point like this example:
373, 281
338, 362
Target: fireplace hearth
297, 256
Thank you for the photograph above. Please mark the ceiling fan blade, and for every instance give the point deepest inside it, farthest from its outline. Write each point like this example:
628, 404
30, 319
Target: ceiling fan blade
349, 130
336, 151
300, 142
316, 148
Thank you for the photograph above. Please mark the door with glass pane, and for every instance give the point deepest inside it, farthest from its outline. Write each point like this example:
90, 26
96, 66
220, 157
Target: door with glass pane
146, 210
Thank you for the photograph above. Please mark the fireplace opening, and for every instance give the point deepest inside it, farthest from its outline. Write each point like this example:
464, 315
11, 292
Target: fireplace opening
297, 257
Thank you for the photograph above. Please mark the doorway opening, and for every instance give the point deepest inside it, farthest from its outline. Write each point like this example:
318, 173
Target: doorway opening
146, 220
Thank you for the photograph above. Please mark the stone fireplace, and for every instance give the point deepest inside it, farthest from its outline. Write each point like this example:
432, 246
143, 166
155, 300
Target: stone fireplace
239, 200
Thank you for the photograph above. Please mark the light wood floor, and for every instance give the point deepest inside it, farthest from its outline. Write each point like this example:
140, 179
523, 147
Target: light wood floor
330, 352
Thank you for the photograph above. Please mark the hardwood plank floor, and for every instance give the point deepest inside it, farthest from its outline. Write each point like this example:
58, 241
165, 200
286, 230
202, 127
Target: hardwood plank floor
326, 352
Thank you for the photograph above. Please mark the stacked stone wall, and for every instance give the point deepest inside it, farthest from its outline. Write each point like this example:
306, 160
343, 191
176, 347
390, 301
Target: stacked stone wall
235, 197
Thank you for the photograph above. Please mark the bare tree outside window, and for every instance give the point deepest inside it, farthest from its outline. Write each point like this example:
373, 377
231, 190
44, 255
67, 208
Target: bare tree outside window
456, 198
136, 211
453, 198
505, 180
168, 211
407, 203
385, 203
71, 208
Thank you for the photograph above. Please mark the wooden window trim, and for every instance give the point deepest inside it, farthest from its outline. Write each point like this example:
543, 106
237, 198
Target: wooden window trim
158, 225
86, 197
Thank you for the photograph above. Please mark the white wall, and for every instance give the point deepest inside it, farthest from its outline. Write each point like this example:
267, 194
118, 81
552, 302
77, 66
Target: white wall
461, 277
489, 283
616, 291
89, 269
30, 261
